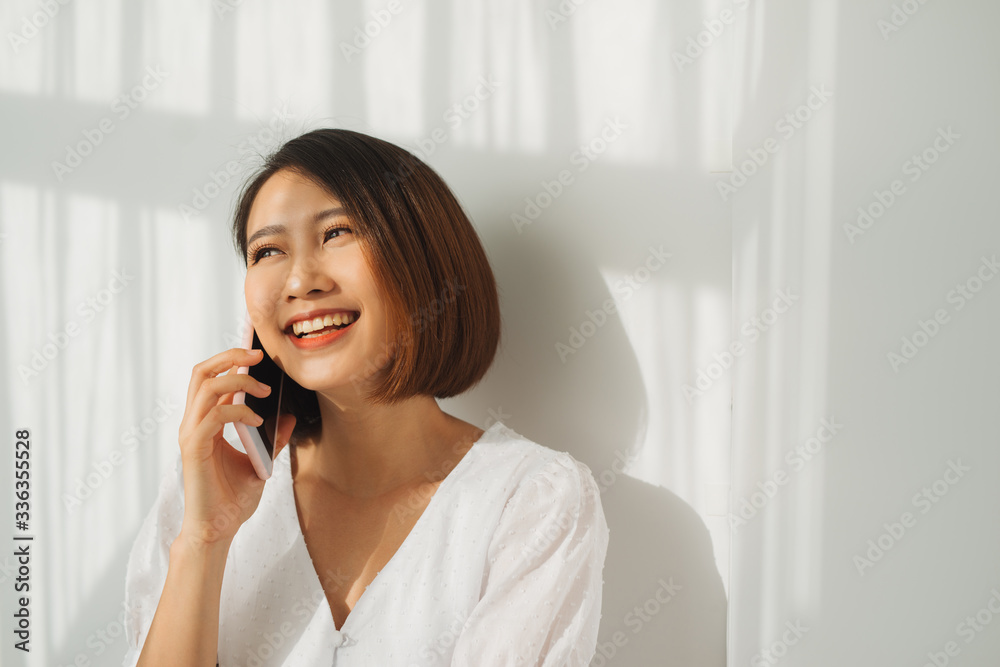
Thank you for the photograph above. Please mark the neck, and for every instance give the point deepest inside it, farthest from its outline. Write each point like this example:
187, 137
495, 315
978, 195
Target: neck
365, 450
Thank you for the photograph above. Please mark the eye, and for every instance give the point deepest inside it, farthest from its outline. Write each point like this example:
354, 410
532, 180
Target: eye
338, 228
257, 253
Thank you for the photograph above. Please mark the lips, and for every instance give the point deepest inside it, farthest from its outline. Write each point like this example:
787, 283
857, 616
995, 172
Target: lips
312, 342
313, 314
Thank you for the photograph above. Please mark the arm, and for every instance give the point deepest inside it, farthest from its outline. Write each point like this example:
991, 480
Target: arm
542, 600
157, 559
177, 563
185, 628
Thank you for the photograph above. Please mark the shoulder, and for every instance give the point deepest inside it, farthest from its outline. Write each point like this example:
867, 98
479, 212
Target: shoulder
529, 458
532, 473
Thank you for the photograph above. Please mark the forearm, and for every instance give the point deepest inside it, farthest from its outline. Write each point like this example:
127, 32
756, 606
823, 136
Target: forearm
185, 627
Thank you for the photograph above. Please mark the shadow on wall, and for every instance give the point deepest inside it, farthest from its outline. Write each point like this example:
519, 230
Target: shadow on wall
664, 603
663, 599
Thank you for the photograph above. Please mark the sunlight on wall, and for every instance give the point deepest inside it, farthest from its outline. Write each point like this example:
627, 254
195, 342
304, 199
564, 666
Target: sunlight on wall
28, 63
135, 352
504, 43
63, 247
617, 82
271, 40
683, 449
782, 234
715, 152
816, 250
180, 246
21, 209
90, 240
394, 67
188, 71
97, 65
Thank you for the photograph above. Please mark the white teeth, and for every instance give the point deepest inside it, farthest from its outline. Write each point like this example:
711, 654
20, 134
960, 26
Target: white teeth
317, 323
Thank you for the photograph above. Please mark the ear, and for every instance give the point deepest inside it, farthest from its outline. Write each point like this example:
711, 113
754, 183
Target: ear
285, 428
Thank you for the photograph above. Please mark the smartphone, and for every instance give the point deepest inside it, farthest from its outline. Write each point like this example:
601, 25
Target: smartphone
258, 441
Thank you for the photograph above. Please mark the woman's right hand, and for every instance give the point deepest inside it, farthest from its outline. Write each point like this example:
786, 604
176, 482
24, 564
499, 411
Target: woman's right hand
221, 487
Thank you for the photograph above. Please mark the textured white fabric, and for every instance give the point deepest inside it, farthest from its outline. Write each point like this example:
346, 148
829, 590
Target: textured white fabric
503, 567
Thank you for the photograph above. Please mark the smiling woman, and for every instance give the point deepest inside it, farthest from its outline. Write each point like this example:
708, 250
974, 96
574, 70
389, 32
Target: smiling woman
392, 213
390, 532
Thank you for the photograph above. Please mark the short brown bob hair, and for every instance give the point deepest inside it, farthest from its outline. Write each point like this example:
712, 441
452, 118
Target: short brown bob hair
426, 258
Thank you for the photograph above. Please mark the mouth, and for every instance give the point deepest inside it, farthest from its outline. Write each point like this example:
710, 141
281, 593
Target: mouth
321, 327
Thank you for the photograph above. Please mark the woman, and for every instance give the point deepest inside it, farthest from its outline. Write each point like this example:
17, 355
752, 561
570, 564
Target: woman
390, 533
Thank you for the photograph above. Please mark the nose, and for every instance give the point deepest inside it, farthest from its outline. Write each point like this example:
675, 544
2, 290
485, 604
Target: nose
307, 275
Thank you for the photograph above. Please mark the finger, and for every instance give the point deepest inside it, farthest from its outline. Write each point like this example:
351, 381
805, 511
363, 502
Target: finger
236, 356
221, 390
227, 398
201, 444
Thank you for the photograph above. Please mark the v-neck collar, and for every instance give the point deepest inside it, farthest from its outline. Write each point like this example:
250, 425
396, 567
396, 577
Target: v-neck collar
284, 469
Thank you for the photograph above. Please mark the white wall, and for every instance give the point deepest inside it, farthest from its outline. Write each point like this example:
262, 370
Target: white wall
801, 560
226, 80
678, 434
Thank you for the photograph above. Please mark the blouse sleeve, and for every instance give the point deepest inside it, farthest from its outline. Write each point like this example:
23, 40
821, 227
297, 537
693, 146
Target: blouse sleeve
542, 600
147, 563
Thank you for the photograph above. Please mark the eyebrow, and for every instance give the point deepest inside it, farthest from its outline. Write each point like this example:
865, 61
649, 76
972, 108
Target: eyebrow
281, 229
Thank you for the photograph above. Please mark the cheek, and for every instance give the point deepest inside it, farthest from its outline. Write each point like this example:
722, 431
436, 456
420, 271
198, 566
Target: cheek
262, 300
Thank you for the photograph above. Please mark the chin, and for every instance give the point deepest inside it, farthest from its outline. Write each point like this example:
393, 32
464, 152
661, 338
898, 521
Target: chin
327, 384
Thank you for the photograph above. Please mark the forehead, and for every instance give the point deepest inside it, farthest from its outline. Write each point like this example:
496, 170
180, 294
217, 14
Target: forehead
288, 197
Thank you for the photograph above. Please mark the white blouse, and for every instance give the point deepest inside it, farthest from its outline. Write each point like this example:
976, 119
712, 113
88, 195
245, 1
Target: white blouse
503, 567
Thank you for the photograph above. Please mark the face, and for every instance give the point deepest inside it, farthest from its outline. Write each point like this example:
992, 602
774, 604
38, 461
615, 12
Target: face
309, 259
